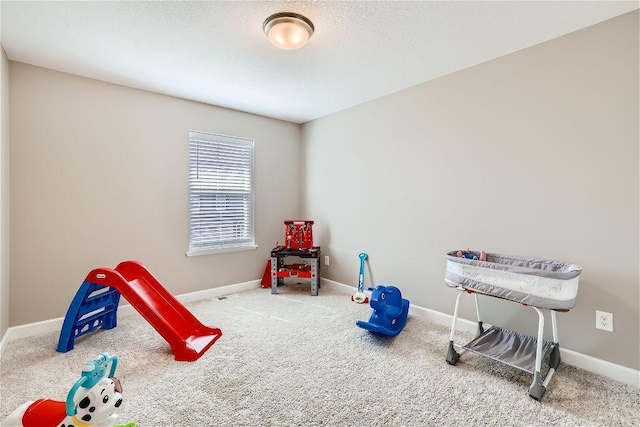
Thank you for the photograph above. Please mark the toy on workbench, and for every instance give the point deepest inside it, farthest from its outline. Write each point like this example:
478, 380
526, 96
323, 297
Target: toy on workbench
298, 234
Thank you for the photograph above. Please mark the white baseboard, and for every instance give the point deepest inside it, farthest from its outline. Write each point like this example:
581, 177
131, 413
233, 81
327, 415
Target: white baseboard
53, 325
3, 342
597, 366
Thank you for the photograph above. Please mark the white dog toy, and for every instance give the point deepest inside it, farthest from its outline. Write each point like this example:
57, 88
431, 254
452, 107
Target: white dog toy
92, 401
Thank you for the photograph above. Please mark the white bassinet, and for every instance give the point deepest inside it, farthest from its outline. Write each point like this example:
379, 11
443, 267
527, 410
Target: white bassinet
533, 282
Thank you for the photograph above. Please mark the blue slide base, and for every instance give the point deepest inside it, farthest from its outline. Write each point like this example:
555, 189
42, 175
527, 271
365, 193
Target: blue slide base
94, 307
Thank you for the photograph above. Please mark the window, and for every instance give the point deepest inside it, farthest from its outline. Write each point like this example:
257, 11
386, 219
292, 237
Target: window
220, 193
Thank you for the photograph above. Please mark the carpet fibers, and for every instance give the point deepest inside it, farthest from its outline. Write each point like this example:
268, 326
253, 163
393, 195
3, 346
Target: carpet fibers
296, 360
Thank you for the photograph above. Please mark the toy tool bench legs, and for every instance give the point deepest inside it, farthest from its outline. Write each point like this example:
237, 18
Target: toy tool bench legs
310, 270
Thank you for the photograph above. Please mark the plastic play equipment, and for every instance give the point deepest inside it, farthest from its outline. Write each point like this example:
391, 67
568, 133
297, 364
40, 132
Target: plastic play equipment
309, 269
96, 305
92, 372
298, 238
298, 234
360, 297
92, 401
266, 276
390, 311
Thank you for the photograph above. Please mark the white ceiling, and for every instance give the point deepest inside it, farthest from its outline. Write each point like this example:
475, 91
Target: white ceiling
215, 52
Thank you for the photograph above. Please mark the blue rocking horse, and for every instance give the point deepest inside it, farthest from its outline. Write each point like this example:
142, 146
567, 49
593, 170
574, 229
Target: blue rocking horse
389, 311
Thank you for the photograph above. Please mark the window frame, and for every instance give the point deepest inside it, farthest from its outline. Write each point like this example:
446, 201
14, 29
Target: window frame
213, 138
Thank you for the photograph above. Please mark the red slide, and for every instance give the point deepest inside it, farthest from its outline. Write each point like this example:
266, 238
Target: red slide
188, 338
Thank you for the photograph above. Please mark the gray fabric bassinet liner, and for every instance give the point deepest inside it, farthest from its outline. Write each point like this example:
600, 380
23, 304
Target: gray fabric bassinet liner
532, 281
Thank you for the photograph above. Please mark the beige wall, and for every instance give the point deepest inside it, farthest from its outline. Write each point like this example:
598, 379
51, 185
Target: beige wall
532, 154
99, 175
4, 193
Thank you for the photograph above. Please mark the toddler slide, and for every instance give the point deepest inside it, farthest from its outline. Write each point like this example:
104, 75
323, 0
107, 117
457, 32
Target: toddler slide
188, 338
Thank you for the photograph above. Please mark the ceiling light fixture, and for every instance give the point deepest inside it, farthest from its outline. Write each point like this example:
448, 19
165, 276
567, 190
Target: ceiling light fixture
288, 30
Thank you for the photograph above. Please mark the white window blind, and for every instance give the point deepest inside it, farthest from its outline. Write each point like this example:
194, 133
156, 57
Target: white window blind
220, 193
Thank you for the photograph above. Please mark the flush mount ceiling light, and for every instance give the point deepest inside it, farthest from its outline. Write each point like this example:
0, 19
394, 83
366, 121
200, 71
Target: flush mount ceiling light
288, 30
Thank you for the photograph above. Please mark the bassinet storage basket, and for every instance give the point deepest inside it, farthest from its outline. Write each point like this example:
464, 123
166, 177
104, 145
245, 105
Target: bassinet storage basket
533, 282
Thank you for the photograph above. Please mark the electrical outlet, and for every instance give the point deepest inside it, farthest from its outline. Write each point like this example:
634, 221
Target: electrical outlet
604, 321
326, 260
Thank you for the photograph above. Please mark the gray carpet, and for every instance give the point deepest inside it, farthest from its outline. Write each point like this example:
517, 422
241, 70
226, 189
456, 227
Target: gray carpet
298, 360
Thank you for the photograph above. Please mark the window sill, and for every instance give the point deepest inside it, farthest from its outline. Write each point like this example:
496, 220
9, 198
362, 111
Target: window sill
221, 250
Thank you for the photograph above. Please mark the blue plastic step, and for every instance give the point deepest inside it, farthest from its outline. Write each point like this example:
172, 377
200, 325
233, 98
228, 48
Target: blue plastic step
93, 307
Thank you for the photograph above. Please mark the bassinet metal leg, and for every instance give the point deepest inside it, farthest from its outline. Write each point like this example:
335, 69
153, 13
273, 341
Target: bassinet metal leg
554, 358
537, 388
554, 326
480, 326
452, 354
